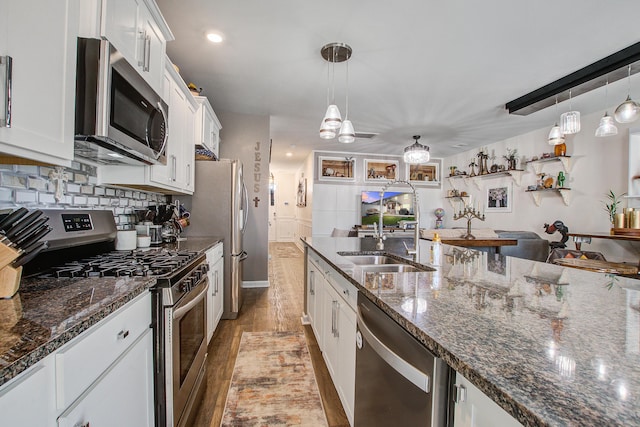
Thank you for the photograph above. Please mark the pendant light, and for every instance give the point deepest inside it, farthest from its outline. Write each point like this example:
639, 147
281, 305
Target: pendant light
556, 137
606, 127
332, 53
347, 134
416, 153
629, 110
570, 121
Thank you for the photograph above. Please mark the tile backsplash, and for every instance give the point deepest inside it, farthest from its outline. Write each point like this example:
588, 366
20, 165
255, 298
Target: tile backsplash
35, 187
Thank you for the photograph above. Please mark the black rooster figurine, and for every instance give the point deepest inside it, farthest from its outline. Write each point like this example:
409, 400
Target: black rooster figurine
562, 229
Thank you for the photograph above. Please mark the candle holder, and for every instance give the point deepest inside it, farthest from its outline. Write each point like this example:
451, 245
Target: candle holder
469, 213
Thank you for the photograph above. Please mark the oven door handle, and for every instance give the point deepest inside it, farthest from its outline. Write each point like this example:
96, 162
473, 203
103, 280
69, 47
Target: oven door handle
184, 308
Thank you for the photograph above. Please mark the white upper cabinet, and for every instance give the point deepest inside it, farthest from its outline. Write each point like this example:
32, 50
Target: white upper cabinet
138, 31
40, 38
207, 126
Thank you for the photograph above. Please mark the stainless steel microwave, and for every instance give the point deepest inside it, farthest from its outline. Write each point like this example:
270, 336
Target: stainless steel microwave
119, 119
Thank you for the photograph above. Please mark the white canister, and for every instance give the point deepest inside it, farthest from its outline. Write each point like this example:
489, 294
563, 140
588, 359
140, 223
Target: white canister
126, 240
144, 241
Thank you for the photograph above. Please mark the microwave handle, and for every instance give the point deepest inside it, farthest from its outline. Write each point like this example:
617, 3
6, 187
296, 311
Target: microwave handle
166, 130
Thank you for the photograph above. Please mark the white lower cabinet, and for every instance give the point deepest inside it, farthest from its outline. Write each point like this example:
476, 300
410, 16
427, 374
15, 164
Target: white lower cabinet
333, 319
29, 399
122, 396
215, 303
475, 409
104, 377
315, 297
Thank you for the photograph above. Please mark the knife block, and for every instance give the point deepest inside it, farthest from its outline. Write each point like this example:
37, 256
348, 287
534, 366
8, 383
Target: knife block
9, 281
9, 276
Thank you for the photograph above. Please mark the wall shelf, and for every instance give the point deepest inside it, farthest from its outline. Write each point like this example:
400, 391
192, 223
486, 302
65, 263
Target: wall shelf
564, 192
536, 165
515, 174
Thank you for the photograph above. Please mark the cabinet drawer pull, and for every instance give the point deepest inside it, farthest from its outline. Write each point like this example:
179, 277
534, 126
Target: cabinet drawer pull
81, 424
123, 334
346, 292
6, 70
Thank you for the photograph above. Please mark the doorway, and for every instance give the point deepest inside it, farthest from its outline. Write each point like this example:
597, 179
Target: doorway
282, 204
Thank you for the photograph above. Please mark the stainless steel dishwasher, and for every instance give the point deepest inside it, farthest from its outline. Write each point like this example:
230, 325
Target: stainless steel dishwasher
398, 381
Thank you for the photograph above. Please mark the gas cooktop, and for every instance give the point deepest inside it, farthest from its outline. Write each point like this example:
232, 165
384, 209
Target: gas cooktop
154, 262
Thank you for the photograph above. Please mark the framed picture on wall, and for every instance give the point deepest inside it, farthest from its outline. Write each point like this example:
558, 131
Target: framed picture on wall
336, 168
301, 199
376, 170
427, 174
499, 198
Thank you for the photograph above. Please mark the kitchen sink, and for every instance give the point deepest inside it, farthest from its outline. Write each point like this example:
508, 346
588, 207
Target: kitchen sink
393, 268
372, 259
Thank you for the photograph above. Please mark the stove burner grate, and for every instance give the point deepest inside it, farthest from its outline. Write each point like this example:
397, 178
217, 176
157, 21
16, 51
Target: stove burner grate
125, 264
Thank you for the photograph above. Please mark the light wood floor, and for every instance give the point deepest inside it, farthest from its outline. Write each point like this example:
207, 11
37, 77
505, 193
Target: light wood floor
277, 308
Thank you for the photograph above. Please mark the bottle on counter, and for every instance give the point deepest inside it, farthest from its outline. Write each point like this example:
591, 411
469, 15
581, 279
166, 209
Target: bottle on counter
436, 250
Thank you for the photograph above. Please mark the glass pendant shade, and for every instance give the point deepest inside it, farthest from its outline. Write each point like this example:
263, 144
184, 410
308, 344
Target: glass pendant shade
347, 134
332, 118
555, 135
607, 127
570, 122
628, 111
416, 153
326, 132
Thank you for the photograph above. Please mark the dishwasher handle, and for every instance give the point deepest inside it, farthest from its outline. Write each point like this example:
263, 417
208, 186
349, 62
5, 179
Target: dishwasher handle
404, 368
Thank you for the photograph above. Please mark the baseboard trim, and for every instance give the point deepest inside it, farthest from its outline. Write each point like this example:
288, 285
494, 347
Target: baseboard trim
256, 284
305, 319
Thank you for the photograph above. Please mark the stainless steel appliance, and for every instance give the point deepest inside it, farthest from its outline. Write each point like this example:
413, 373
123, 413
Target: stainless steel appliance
84, 247
119, 117
398, 381
219, 207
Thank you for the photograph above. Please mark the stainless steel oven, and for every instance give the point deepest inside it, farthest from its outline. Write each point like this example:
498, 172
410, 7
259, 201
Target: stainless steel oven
186, 350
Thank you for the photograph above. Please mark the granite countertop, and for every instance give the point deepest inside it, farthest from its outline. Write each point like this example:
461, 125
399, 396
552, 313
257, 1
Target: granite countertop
46, 313
551, 345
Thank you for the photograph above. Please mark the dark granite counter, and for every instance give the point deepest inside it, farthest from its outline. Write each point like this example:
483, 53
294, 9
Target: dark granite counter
551, 345
47, 313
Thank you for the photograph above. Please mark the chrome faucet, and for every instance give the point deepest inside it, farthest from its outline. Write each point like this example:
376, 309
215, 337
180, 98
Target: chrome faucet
416, 207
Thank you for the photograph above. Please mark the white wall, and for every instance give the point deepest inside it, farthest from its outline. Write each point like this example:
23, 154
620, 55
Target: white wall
338, 204
597, 166
304, 214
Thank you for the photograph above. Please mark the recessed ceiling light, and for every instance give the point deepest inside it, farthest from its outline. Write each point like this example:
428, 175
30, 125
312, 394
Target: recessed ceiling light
289, 154
214, 37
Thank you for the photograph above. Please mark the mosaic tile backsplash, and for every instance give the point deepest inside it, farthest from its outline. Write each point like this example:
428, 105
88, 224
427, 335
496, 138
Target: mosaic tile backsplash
35, 187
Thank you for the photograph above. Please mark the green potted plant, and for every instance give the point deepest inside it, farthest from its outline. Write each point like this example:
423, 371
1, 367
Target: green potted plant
612, 206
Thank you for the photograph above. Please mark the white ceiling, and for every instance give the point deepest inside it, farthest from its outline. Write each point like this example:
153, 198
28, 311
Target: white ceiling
440, 69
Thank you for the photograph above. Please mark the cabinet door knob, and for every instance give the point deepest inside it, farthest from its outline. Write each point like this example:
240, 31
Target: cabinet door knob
123, 334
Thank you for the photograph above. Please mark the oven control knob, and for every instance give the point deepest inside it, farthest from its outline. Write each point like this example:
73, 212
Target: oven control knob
186, 285
205, 268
